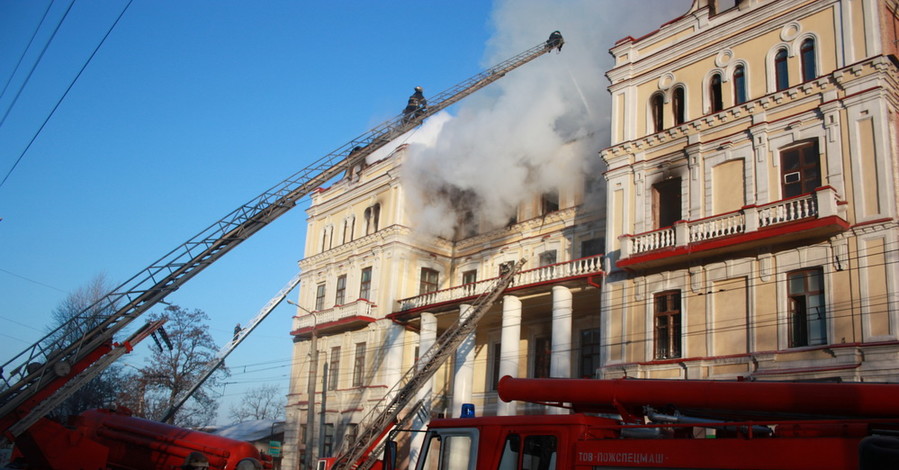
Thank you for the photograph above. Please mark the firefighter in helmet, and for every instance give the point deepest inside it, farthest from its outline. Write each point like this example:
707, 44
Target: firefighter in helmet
555, 41
416, 106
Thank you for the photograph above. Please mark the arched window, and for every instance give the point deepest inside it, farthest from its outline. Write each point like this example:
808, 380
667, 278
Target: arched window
807, 54
677, 100
740, 84
781, 75
715, 99
656, 103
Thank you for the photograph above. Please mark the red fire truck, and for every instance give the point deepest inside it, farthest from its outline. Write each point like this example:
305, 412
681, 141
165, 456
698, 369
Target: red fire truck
629, 423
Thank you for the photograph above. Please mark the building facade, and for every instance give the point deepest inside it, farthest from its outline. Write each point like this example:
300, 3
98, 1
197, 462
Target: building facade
752, 200
378, 291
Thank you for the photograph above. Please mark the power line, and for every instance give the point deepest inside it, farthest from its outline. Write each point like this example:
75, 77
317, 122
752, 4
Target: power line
25, 51
55, 107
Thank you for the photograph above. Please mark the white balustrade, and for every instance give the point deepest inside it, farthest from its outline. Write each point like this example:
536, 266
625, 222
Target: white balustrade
359, 308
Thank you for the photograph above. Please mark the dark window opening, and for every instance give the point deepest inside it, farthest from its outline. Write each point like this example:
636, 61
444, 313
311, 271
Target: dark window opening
667, 325
505, 267
593, 247
781, 73
666, 200
547, 258
494, 374
740, 85
808, 319
716, 99
589, 352
542, 355
657, 106
801, 169
550, 202
428, 282
328, 446
807, 54
679, 105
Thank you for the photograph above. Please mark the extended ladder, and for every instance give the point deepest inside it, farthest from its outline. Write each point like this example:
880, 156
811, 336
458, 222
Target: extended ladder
37, 368
384, 415
239, 336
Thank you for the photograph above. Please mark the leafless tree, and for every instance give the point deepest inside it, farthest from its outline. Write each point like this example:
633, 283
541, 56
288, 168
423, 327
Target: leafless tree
264, 402
153, 389
81, 307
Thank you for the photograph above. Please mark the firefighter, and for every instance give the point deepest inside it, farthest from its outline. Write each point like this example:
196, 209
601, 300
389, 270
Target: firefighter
555, 41
416, 106
237, 331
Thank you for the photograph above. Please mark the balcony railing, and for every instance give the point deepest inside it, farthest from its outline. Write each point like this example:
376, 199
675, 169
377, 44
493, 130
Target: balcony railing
552, 272
341, 314
822, 203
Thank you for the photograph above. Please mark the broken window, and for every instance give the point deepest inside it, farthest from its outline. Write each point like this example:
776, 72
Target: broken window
550, 202
666, 201
801, 169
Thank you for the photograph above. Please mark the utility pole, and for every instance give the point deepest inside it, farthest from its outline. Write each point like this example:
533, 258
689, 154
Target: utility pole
321, 424
308, 462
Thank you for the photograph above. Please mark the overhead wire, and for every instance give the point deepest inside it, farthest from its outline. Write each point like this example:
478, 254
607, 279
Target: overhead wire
69, 88
25, 51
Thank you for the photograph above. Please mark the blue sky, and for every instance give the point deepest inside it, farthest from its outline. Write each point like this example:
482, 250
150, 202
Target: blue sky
191, 108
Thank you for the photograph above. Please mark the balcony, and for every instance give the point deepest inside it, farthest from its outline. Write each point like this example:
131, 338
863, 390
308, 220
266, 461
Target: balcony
570, 272
334, 320
811, 216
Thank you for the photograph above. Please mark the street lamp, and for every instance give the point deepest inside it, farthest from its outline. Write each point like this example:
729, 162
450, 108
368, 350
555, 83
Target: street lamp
313, 368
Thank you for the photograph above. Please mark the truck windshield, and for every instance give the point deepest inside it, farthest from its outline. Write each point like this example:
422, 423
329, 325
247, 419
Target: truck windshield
449, 451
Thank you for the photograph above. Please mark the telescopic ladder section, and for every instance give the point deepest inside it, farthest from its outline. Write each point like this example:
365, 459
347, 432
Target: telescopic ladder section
219, 358
36, 368
384, 415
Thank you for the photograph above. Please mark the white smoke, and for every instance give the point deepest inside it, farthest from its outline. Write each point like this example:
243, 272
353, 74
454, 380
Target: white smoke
541, 126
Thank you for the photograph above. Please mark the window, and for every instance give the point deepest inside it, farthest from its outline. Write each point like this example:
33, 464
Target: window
801, 169
494, 374
657, 106
429, 281
328, 446
740, 84
539, 453
365, 284
589, 352
470, 277
808, 325
334, 368
320, 296
547, 258
352, 432
509, 458
781, 74
340, 298
667, 325
372, 218
666, 202
449, 450
716, 101
550, 202
679, 105
359, 365
593, 247
542, 355
807, 55
505, 267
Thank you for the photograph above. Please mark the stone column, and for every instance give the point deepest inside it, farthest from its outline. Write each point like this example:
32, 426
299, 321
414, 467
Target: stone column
463, 372
427, 337
509, 348
560, 361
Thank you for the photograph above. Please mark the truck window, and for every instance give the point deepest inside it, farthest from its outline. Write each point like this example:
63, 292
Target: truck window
539, 453
509, 459
448, 452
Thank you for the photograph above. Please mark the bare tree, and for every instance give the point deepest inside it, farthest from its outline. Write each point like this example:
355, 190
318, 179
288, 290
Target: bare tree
81, 307
264, 402
169, 372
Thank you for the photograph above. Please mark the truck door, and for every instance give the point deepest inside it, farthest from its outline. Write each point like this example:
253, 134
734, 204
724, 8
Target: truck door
537, 452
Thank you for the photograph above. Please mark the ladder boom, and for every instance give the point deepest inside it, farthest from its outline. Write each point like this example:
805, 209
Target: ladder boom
30, 371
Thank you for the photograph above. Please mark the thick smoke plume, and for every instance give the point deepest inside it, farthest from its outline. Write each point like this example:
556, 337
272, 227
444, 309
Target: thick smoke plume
536, 130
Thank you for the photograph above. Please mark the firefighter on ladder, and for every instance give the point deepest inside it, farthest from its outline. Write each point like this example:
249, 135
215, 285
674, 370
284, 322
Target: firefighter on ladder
416, 106
555, 41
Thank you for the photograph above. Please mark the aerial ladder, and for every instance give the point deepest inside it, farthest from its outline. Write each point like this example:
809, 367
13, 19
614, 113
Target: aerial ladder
225, 350
359, 453
48, 368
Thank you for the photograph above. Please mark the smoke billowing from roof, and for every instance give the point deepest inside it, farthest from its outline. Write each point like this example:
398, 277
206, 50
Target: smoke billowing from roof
537, 129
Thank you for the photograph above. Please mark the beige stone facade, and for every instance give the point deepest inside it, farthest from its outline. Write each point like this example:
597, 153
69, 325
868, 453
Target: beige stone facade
752, 195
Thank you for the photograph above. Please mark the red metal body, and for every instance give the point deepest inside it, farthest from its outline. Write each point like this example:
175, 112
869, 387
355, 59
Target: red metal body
114, 439
744, 425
